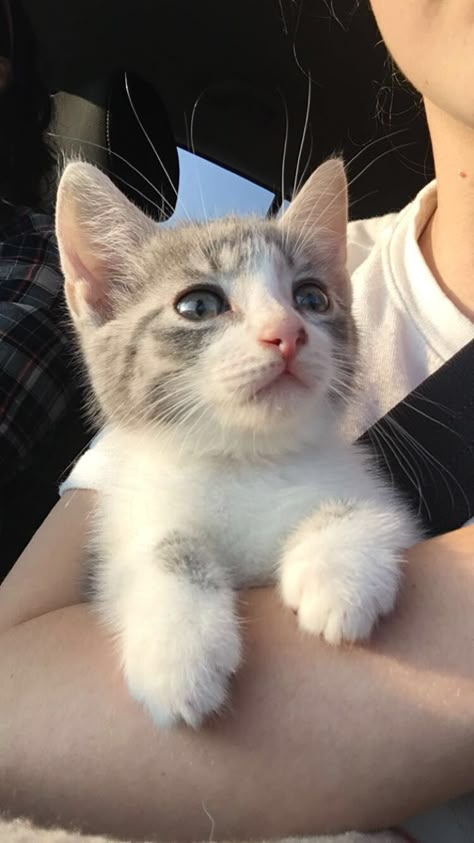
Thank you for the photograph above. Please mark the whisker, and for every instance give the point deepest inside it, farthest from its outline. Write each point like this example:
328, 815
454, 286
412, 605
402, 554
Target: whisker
308, 230
444, 407
380, 449
404, 463
193, 117
152, 146
308, 161
159, 208
285, 148
111, 152
430, 459
303, 137
370, 164
416, 409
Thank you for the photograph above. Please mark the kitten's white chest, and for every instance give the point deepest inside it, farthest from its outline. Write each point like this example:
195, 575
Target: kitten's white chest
249, 511
246, 509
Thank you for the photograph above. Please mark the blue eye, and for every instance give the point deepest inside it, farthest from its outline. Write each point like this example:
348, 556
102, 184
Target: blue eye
311, 297
201, 304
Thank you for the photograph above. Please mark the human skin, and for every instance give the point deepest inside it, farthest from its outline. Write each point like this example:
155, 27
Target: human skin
432, 41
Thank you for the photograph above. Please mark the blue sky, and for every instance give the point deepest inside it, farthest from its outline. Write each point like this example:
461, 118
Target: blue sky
207, 190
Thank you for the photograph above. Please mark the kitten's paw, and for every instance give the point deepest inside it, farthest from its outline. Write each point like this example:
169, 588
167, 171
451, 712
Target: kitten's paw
339, 586
179, 666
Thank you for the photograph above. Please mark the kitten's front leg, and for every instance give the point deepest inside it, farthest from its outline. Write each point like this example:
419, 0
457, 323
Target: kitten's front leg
180, 638
341, 568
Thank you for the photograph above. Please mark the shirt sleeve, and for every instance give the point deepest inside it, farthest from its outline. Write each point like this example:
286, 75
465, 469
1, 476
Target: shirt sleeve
36, 386
93, 470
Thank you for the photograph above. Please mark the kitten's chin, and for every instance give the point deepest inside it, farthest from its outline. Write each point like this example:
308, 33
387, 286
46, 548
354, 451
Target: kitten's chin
266, 428
282, 417
278, 431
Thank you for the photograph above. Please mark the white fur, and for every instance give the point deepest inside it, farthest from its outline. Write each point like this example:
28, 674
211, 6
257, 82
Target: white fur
180, 646
340, 568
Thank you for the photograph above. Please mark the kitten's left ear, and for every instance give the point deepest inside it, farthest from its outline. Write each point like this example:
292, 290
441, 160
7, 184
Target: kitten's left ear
99, 235
318, 213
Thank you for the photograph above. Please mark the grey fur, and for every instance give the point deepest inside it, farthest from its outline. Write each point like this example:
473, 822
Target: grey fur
341, 327
87, 582
159, 403
243, 239
132, 346
184, 249
184, 344
192, 559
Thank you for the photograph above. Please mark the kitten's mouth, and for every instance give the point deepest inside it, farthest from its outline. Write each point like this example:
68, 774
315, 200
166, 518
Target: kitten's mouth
277, 385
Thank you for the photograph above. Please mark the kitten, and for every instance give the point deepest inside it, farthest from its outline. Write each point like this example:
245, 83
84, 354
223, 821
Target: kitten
220, 357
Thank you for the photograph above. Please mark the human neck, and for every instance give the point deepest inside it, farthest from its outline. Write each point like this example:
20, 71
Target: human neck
447, 242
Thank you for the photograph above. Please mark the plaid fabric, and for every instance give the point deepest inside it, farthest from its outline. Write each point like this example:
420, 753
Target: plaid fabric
36, 387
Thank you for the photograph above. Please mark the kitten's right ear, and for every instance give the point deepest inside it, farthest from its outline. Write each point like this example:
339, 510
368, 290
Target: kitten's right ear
99, 232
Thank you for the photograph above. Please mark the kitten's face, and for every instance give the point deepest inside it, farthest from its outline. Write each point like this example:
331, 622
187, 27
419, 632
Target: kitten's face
235, 334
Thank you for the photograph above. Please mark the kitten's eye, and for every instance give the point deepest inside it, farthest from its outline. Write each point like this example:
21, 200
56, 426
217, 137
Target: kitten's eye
310, 296
201, 304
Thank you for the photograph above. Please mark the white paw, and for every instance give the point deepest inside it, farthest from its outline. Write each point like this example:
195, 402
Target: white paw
339, 584
178, 661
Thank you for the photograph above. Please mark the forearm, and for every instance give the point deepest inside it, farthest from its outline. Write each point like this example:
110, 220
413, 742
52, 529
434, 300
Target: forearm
317, 739
47, 574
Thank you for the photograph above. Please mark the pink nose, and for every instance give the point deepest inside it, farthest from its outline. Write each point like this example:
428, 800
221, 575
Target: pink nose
287, 336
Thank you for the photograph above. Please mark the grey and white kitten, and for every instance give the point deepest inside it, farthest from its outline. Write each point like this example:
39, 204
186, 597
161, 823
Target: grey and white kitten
220, 355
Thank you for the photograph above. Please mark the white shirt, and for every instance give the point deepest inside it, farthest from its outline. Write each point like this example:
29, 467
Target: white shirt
408, 328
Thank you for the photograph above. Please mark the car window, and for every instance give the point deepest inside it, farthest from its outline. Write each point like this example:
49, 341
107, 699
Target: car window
207, 190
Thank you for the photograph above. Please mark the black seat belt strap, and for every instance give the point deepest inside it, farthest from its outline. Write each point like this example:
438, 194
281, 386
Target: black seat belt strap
426, 445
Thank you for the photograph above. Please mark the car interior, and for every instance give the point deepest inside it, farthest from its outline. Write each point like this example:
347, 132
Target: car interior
267, 90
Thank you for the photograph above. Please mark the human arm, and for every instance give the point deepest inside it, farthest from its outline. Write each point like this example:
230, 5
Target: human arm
316, 739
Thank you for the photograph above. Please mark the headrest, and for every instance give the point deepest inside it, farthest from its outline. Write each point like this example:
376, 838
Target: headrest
120, 124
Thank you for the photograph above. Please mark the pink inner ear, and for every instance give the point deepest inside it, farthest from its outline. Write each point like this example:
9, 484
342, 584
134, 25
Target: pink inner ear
80, 260
320, 208
92, 274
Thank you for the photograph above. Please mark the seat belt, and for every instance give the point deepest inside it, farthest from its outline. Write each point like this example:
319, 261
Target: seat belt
425, 445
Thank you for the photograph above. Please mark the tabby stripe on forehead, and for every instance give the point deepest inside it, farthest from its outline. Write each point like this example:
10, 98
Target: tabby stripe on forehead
131, 348
241, 246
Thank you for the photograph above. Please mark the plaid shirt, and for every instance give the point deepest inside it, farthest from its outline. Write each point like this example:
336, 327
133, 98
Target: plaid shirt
36, 386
